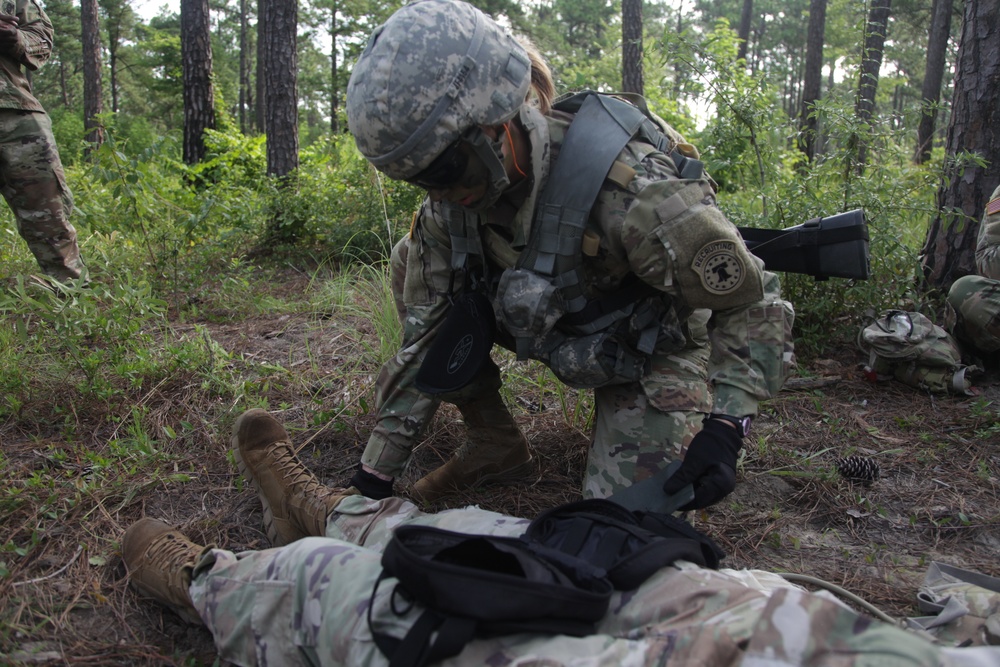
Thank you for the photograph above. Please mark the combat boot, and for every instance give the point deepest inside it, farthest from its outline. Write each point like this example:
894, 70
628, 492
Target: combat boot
160, 561
295, 503
496, 451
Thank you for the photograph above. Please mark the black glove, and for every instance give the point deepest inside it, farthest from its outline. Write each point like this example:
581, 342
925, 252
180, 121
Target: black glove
709, 465
371, 486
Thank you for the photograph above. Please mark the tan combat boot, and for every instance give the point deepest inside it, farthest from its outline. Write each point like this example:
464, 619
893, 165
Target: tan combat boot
296, 504
496, 451
160, 561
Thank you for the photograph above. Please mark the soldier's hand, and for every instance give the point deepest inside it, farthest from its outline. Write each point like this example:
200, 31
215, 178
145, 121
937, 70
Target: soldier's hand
9, 34
709, 465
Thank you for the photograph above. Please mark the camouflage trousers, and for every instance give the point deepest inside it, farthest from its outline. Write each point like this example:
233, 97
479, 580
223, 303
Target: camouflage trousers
975, 307
307, 604
639, 428
34, 186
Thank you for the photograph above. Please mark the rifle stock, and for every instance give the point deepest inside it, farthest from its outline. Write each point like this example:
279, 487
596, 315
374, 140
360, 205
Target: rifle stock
831, 247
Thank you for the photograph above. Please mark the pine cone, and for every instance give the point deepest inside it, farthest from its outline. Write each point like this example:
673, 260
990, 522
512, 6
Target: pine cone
859, 469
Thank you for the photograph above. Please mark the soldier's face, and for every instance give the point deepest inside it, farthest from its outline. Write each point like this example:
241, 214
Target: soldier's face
457, 175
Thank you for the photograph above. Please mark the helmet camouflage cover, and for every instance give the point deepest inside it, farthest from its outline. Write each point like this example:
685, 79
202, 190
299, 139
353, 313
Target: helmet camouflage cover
433, 70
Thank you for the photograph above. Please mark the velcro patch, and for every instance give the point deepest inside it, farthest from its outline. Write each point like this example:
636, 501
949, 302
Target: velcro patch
993, 206
719, 266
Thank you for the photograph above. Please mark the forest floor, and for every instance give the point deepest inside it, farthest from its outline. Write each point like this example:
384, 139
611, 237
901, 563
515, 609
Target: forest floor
938, 497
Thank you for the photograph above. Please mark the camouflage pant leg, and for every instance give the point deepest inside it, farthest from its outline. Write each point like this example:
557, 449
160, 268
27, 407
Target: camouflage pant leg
290, 605
641, 427
370, 523
975, 302
34, 186
397, 274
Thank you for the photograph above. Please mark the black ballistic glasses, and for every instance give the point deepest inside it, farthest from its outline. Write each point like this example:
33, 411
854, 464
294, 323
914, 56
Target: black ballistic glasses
446, 170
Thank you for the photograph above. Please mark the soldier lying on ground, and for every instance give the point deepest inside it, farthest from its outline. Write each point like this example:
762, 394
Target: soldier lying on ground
306, 601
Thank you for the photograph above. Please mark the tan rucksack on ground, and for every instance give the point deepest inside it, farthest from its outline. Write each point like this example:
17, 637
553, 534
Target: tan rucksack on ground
907, 346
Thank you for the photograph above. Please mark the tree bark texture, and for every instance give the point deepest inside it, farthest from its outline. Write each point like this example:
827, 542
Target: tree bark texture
261, 108
937, 51
281, 69
90, 37
949, 251
244, 70
196, 67
632, 81
334, 97
746, 17
871, 61
813, 78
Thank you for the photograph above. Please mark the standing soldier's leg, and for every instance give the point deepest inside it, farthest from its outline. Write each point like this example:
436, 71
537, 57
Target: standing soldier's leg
35, 189
641, 427
495, 450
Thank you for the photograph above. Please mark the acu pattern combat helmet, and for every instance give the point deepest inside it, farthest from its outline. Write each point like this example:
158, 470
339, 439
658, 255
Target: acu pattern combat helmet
434, 70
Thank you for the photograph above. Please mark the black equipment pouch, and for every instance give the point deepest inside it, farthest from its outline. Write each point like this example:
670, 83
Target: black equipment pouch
629, 546
556, 578
461, 347
481, 585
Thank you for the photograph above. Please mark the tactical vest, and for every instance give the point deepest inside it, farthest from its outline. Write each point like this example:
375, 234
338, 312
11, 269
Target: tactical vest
541, 301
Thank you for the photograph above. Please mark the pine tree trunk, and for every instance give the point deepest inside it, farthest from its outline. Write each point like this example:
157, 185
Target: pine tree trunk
90, 37
261, 109
282, 67
937, 51
746, 17
632, 81
334, 98
871, 61
196, 66
244, 70
812, 85
949, 251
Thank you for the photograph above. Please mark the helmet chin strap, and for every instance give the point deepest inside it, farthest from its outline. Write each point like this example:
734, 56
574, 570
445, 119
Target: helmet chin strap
490, 153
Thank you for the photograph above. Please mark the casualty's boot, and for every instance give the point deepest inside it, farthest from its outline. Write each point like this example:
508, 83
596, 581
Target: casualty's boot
160, 561
496, 451
296, 504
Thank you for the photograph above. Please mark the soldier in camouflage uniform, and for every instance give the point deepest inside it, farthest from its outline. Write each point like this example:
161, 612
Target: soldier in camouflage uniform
446, 99
975, 300
306, 603
31, 174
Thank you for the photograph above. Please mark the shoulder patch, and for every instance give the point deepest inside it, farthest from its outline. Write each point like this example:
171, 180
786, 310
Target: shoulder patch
719, 266
993, 206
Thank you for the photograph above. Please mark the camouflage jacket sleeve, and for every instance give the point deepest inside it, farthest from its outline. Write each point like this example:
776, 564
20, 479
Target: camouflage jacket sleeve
678, 241
35, 44
402, 409
988, 246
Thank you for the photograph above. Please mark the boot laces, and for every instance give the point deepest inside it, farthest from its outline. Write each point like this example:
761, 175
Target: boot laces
170, 555
295, 475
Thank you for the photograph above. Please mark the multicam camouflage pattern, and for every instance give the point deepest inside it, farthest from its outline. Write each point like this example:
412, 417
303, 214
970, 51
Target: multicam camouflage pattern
975, 300
34, 186
31, 174
640, 424
965, 605
307, 604
32, 51
435, 69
